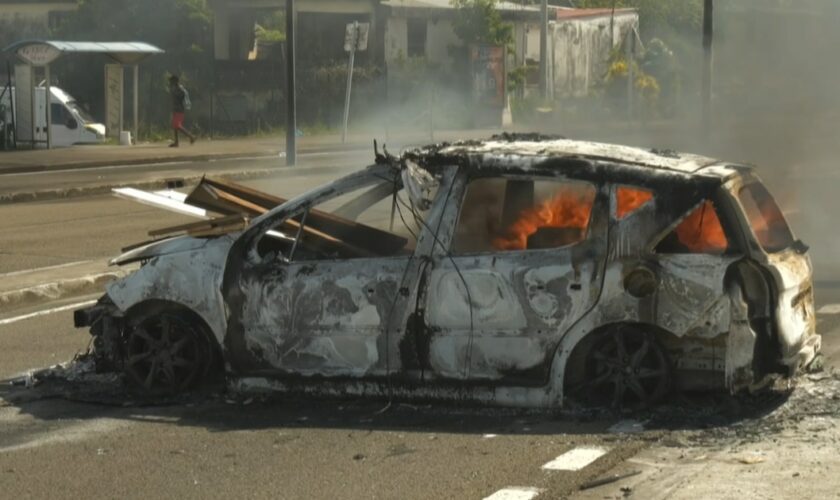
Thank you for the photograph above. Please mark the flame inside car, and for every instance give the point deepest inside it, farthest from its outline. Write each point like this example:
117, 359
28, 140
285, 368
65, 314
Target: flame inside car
565, 213
701, 231
629, 199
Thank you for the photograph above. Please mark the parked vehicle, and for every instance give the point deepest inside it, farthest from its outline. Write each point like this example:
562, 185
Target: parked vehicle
514, 271
70, 124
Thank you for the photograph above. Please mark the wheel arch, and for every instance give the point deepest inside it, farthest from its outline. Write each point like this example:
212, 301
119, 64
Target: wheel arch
156, 306
567, 357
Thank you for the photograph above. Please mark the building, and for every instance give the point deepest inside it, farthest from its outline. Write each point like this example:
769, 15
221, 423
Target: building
580, 39
36, 16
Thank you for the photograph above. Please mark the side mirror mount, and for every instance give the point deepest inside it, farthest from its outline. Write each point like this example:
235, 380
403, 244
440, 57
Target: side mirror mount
71, 123
800, 247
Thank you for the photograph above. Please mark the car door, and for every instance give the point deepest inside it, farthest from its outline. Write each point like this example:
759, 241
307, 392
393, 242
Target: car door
522, 263
330, 281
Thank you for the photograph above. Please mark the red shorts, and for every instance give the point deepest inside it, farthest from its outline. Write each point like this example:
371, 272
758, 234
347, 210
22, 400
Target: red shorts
177, 120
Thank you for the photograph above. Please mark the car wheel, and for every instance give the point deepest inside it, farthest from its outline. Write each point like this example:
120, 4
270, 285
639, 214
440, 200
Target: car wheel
626, 368
165, 353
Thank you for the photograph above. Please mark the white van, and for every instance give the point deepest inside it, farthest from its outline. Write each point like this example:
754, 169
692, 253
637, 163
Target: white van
70, 124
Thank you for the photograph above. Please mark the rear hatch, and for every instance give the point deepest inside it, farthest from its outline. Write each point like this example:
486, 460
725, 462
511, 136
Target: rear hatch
788, 263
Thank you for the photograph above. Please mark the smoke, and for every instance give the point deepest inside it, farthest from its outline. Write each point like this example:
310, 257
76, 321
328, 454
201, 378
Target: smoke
775, 106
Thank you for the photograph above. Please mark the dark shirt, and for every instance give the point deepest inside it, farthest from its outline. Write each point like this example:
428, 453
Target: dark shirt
178, 95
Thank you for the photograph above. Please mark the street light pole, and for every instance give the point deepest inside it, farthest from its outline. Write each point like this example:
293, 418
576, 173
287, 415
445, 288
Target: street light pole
708, 53
544, 50
291, 111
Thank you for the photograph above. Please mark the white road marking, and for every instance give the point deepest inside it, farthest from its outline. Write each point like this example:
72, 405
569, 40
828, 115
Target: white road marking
68, 434
35, 314
57, 266
576, 459
829, 309
515, 493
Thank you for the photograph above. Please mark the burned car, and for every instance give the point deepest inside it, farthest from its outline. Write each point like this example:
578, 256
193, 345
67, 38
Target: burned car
513, 271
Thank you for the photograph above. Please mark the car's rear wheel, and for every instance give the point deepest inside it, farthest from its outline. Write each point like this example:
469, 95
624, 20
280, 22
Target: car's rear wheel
166, 352
626, 367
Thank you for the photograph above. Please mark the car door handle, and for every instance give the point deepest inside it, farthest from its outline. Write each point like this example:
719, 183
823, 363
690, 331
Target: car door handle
576, 287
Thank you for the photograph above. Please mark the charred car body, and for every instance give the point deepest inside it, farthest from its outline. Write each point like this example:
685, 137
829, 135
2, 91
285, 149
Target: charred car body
512, 271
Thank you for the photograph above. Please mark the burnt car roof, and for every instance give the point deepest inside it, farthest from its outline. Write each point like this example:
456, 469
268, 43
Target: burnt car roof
514, 150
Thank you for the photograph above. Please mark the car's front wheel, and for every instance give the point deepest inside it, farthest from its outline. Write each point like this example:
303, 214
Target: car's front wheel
166, 352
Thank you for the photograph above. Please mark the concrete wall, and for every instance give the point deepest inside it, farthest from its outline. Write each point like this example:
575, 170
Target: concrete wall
580, 49
396, 39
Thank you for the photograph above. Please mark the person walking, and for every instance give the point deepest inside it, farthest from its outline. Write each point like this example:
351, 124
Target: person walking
180, 105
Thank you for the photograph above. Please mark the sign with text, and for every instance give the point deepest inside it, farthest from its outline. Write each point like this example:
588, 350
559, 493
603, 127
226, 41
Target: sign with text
356, 37
38, 54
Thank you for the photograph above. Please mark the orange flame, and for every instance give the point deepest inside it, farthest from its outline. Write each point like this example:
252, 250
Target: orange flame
701, 231
629, 199
568, 208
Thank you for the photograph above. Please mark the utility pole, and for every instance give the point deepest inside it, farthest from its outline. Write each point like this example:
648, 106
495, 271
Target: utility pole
708, 53
544, 50
291, 111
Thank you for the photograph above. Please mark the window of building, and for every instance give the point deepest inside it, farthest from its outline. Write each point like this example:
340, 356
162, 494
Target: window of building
629, 199
700, 232
417, 37
508, 214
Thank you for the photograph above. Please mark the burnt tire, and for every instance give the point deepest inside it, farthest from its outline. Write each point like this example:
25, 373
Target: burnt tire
626, 367
166, 352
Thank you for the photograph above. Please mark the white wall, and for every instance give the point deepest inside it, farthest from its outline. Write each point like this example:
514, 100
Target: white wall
396, 39
581, 48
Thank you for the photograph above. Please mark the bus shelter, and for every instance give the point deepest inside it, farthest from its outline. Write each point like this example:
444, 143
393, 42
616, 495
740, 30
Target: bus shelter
37, 55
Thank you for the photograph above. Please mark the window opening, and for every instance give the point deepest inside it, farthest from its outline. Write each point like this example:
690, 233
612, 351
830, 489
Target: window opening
766, 218
510, 214
629, 199
372, 221
700, 232
416, 33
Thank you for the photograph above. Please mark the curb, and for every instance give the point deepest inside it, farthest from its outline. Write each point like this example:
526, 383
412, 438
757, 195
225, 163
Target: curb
47, 292
26, 169
154, 160
77, 192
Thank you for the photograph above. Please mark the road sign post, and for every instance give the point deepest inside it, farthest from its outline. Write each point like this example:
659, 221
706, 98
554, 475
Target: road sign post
291, 106
355, 38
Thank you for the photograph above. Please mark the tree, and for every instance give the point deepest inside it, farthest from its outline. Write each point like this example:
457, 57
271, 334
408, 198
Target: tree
478, 21
665, 19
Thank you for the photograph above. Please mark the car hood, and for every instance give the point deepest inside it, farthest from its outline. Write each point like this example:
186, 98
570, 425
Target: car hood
157, 248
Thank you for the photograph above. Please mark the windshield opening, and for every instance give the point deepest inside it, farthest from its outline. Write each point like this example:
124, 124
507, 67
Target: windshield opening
766, 218
82, 113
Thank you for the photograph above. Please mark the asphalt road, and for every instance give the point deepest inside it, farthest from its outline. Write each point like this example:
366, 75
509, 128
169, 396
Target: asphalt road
40, 234
66, 441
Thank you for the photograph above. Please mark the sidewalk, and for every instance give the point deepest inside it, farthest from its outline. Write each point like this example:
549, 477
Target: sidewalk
32, 287
83, 156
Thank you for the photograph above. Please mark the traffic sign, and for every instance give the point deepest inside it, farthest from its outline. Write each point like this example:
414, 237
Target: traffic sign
356, 36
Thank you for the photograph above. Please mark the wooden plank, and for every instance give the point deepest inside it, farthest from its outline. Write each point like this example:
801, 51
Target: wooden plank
192, 226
